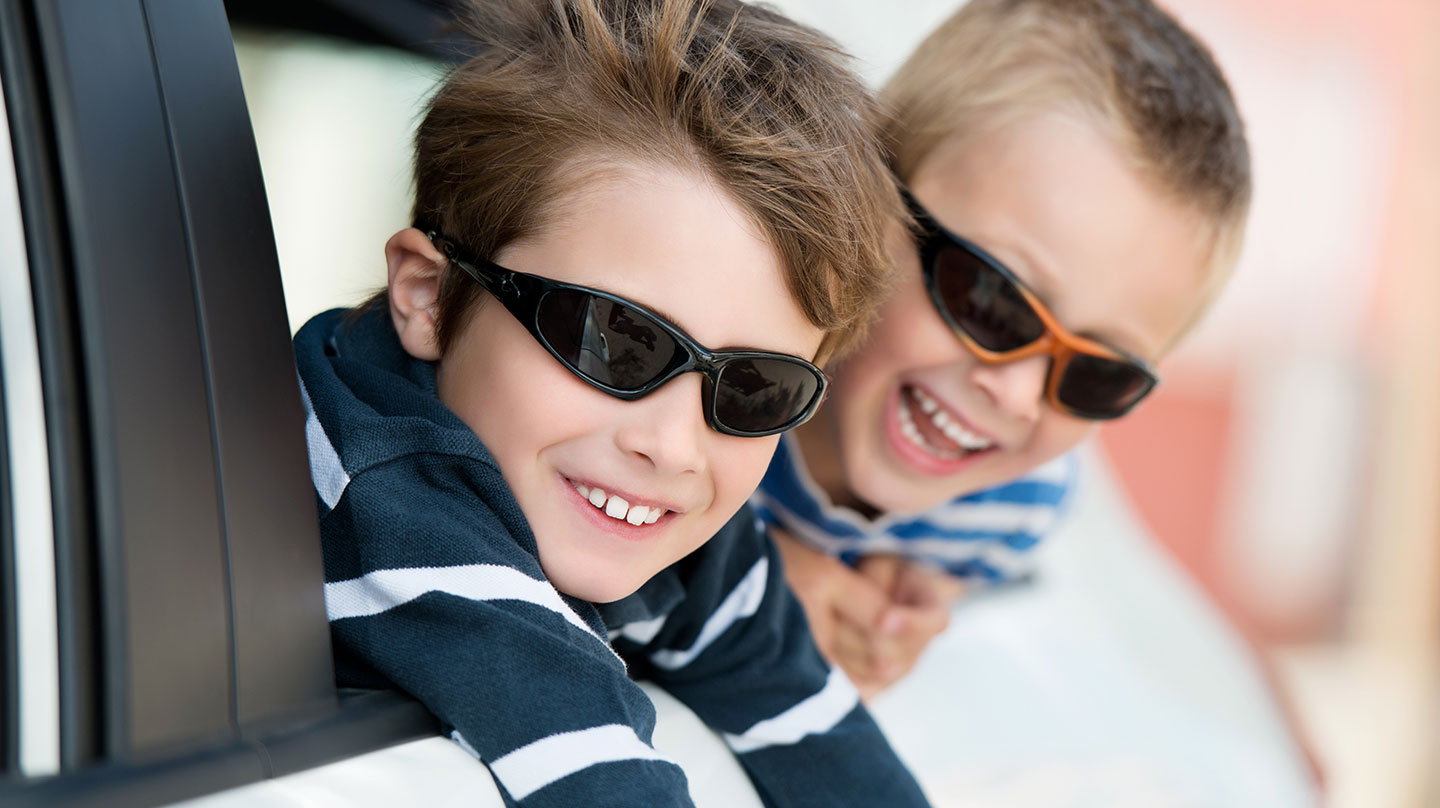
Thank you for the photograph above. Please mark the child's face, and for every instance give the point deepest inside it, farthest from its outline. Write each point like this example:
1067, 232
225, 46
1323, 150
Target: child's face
673, 243
1063, 209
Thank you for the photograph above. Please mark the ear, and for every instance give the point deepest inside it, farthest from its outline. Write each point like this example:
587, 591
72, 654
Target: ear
414, 284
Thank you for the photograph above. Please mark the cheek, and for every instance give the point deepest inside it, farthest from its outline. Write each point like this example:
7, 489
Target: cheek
738, 464
507, 389
911, 332
908, 336
1058, 434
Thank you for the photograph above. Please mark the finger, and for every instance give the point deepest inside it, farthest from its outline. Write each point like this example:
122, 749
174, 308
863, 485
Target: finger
919, 585
858, 600
818, 612
872, 657
852, 653
906, 630
897, 621
806, 569
856, 597
891, 662
894, 653
885, 654
886, 677
885, 663
882, 568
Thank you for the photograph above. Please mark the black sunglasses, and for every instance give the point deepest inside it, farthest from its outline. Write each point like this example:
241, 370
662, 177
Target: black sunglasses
621, 348
998, 318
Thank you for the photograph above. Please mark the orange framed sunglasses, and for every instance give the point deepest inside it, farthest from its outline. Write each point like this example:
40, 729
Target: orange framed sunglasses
1001, 320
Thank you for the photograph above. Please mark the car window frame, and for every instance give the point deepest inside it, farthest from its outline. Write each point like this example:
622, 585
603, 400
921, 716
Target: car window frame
9, 684
161, 74
29, 659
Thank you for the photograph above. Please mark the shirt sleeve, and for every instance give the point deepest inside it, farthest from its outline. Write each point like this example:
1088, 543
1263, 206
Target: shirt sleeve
429, 592
738, 652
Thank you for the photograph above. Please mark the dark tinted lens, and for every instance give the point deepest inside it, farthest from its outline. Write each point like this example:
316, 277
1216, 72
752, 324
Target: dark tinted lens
763, 395
984, 302
1102, 388
605, 341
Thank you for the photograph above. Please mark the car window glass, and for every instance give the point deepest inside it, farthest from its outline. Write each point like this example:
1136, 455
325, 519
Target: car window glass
8, 698
333, 122
27, 572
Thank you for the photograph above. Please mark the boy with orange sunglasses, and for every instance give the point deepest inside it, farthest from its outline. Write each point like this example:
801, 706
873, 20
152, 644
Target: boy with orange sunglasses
1079, 179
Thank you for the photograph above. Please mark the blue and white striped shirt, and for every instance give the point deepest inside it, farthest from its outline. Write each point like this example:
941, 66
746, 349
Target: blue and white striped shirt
434, 586
985, 536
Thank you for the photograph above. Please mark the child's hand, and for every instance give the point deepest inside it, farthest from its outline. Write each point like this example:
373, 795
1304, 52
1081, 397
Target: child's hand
832, 594
872, 622
879, 653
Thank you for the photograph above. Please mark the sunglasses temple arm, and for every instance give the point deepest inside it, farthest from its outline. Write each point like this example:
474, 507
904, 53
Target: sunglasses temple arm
503, 283
501, 286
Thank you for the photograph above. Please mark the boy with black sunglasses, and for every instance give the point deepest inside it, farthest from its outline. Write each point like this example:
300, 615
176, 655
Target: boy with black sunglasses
1079, 180
641, 224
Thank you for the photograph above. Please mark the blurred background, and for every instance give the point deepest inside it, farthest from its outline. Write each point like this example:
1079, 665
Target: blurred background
1288, 470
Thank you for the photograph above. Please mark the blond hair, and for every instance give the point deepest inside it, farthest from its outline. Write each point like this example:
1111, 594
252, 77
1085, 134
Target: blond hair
1124, 66
764, 107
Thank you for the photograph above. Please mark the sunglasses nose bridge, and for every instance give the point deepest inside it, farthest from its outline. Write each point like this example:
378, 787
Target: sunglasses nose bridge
1046, 344
699, 361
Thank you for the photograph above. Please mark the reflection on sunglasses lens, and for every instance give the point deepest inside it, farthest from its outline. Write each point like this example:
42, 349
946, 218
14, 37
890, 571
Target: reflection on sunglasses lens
617, 346
756, 395
604, 340
984, 302
1102, 388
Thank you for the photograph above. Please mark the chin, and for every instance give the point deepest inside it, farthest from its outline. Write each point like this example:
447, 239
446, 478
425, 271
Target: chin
895, 496
592, 582
608, 592
594, 588
889, 490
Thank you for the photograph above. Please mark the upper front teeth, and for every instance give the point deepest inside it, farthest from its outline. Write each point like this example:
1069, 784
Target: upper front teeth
949, 426
616, 507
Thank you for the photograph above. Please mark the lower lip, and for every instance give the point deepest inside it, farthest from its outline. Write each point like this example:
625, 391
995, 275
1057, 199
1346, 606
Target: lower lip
912, 455
615, 527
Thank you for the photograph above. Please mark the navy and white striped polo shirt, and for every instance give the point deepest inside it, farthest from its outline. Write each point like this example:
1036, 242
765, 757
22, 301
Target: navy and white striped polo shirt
434, 586
985, 536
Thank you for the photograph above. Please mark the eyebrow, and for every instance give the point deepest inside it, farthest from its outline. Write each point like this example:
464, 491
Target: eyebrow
1044, 281
1126, 337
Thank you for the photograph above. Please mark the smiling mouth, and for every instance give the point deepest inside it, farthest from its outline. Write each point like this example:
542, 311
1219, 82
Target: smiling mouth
617, 508
931, 427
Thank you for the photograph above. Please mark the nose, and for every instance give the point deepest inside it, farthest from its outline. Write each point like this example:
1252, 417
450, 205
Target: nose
667, 428
1017, 389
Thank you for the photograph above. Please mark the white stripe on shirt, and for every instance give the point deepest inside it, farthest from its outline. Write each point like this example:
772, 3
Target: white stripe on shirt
464, 744
383, 590
1055, 472
742, 602
326, 472
641, 631
815, 715
948, 551
536, 765
995, 517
